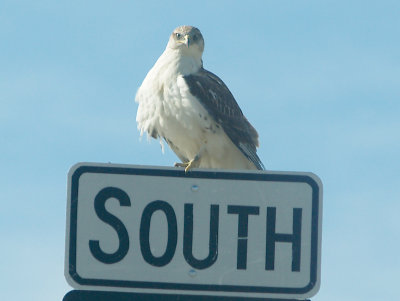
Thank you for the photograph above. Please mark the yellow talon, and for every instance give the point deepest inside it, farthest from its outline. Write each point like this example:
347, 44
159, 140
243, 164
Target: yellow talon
187, 165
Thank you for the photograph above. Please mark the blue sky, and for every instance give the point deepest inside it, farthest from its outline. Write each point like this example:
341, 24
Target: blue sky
320, 81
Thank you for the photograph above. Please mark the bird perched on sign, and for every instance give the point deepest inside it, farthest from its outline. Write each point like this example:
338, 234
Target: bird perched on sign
193, 110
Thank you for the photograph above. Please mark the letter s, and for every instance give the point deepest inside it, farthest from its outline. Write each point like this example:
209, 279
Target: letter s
114, 222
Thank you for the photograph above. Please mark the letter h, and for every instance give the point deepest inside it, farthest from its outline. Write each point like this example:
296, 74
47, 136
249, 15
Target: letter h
272, 237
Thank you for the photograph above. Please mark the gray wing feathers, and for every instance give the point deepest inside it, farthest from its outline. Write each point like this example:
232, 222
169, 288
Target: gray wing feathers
222, 106
251, 154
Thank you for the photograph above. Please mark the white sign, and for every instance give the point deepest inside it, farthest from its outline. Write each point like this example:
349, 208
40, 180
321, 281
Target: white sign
205, 232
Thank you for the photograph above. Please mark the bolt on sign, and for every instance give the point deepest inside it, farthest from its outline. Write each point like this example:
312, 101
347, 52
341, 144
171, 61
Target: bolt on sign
159, 230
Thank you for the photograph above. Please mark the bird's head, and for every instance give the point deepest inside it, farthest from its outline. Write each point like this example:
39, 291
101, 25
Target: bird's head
188, 40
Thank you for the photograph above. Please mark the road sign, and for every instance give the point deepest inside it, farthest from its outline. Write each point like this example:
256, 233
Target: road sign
208, 233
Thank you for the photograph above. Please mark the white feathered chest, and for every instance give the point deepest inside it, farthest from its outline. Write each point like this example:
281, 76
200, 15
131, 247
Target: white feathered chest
168, 110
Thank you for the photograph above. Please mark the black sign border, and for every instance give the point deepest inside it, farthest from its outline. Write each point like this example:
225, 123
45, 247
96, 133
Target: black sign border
270, 177
86, 295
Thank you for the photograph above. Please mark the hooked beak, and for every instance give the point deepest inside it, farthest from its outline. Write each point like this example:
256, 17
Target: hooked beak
187, 41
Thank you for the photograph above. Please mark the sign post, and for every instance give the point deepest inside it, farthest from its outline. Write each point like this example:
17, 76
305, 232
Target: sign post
139, 232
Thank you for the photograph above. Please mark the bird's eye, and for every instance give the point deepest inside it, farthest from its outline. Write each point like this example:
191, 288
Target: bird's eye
178, 35
195, 37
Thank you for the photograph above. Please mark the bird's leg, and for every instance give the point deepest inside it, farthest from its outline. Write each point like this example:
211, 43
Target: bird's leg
189, 165
194, 162
179, 164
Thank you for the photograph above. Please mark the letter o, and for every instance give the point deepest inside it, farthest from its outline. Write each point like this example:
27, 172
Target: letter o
145, 233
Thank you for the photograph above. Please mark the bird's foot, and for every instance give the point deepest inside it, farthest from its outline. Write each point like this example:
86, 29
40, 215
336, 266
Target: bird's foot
189, 165
181, 164
195, 162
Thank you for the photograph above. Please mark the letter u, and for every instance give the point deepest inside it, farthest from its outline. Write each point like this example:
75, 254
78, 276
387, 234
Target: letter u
188, 238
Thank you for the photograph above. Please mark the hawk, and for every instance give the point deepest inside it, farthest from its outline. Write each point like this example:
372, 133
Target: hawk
193, 110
